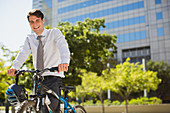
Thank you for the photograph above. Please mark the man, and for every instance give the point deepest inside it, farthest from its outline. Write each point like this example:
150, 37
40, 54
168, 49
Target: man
53, 52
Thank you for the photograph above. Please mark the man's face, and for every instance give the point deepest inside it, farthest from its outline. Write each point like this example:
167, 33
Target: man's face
36, 24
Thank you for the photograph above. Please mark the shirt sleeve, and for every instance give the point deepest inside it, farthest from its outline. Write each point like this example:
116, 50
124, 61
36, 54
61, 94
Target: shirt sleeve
22, 55
62, 44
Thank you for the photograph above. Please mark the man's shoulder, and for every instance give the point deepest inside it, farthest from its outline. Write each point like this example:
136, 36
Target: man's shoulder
31, 35
54, 29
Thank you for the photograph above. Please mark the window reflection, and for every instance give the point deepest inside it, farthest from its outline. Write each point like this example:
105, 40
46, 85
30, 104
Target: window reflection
157, 1
81, 5
125, 22
159, 15
160, 31
131, 36
105, 12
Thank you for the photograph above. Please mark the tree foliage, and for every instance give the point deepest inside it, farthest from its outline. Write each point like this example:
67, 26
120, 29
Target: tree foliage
163, 72
129, 77
93, 85
6, 64
5, 80
89, 48
125, 79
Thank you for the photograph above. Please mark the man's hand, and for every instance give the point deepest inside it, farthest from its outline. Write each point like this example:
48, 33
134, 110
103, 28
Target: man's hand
62, 67
11, 72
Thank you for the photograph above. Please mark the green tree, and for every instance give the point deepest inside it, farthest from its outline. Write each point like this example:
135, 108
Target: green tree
6, 64
94, 84
163, 72
3, 80
89, 48
129, 77
7, 54
81, 93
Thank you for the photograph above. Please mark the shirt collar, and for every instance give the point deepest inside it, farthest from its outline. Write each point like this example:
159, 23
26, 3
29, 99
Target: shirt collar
43, 34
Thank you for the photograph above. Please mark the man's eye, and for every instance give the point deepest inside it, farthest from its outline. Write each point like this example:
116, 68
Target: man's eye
38, 20
31, 22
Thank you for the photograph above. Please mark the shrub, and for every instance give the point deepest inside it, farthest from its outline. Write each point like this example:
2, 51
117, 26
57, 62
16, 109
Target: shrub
116, 102
123, 103
98, 103
74, 103
145, 101
107, 102
137, 101
155, 100
88, 103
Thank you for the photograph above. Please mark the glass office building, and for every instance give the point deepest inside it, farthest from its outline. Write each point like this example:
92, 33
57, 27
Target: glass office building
142, 26
46, 7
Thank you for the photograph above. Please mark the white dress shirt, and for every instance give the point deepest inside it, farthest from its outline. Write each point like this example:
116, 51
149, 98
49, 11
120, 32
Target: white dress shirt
55, 47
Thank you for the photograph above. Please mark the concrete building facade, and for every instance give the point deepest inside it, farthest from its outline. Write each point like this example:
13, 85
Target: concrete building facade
142, 26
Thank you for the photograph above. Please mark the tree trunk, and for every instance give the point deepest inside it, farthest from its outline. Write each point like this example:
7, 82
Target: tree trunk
126, 106
103, 108
82, 100
102, 101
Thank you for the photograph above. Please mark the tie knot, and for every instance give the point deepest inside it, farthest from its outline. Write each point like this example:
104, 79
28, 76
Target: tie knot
39, 37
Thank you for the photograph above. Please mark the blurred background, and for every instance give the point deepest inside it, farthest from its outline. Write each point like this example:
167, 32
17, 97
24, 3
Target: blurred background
136, 29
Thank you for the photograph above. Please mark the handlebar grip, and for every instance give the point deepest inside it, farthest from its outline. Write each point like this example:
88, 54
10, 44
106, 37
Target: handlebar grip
15, 72
53, 69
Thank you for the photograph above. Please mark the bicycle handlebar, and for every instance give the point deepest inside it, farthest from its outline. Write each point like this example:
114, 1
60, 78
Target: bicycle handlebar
52, 69
18, 72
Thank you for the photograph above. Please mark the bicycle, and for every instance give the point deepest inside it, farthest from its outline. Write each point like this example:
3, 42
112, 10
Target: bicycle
32, 105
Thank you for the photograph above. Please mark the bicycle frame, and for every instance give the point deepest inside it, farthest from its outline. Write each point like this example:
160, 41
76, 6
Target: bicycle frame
67, 106
37, 83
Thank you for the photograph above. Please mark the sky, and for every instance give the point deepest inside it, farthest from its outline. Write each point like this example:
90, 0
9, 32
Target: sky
14, 26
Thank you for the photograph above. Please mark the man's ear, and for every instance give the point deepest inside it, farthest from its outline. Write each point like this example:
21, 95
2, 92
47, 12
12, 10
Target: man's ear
43, 20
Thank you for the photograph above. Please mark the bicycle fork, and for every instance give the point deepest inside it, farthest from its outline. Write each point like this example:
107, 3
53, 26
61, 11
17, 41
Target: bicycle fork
66, 104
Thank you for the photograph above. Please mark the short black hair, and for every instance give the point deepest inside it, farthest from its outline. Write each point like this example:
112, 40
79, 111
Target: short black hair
37, 13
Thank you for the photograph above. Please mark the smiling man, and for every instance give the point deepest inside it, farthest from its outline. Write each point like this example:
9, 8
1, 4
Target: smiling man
49, 49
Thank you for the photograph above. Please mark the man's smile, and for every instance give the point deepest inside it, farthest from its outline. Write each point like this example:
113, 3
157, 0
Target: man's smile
37, 27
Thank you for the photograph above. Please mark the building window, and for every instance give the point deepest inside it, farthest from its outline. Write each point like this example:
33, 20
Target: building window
157, 1
137, 54
125, 22
80, 5
61, 0
105, 12
159, 15
131, 36
160, 31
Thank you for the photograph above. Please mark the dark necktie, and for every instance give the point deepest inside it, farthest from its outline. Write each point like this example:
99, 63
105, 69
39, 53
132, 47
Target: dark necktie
40, 61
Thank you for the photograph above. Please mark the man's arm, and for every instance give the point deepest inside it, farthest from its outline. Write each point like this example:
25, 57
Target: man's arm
20, 59
62, 44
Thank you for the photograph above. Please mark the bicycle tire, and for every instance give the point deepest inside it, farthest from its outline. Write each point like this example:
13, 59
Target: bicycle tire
28, 106
78, 109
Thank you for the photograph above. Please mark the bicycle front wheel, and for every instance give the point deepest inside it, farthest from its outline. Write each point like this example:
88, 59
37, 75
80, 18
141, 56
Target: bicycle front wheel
28, 106
79, 109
